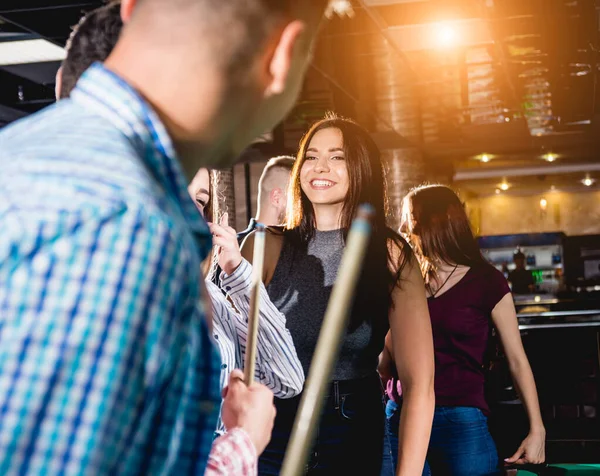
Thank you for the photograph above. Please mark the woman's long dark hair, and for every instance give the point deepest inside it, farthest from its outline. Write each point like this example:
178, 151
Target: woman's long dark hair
436, 224
381, 272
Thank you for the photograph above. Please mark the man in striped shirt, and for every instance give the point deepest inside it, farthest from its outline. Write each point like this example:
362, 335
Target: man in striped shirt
106, 363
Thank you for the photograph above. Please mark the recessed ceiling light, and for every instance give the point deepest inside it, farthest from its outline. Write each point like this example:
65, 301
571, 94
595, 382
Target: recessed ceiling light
550, 157
485, 158
504, 186
588, 182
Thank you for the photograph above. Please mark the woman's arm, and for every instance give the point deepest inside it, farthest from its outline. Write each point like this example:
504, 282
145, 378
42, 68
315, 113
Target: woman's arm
386, 360
505, 320
278, 366
412, 343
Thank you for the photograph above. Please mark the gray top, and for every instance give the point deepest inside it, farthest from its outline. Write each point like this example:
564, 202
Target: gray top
300, 289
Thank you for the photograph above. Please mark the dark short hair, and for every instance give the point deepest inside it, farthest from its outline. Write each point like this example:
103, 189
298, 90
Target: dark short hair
93, 39
519, 255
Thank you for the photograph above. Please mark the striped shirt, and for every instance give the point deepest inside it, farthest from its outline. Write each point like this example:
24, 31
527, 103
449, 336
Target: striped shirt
106, 362
277, 364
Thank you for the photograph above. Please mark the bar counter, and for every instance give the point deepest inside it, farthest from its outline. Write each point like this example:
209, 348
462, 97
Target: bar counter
561, 336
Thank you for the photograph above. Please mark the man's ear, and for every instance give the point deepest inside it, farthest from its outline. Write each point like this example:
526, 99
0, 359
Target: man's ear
58, 87
281, 60
275, 197
127, 7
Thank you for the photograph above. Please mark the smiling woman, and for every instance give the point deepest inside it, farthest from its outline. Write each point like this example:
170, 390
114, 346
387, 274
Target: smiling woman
337, 169
324, 175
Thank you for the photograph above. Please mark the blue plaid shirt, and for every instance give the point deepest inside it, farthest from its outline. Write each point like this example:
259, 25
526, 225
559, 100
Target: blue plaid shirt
106, 363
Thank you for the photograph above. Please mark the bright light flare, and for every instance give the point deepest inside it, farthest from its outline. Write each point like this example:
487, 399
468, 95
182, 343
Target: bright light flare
446, 35
588, 182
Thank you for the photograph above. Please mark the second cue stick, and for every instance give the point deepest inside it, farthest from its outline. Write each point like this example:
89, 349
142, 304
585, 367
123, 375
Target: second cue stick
253, 316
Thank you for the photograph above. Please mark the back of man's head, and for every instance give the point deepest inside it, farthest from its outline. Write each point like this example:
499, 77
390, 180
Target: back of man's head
276, 174
219, 72
519, 258
234, 30
93, 39
272, 190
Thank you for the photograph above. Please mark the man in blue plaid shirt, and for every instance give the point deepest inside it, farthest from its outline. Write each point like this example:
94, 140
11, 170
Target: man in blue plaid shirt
106, 360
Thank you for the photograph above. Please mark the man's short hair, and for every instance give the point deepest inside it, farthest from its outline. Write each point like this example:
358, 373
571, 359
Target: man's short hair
282, 163
238, 29
93, 39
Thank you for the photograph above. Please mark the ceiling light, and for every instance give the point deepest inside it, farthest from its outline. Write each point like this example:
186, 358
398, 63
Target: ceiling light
29, 51
446, 35
485, 158
588, 182
550, 157
543, 203
504, 186
343, 8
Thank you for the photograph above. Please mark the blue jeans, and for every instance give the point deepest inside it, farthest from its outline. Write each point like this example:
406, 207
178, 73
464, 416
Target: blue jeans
390, 444
350, 435
460, 444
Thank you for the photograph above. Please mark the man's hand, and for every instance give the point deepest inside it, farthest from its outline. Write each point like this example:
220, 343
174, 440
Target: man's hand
249, 408
225, 238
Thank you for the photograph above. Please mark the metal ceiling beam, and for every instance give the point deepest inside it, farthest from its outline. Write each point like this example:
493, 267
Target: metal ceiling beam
382, 27
499, 172
502, 56
45, 19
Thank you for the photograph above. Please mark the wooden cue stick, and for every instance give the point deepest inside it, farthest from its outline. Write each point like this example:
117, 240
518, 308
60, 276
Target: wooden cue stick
328, 345
253, 316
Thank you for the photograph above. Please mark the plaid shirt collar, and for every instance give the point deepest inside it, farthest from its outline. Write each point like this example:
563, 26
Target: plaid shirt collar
113, 98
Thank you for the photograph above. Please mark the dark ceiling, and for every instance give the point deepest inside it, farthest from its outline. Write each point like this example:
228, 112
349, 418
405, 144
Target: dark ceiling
26, 88
524, 83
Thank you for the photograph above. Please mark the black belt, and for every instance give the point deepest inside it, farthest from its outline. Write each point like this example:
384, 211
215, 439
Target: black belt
350, 386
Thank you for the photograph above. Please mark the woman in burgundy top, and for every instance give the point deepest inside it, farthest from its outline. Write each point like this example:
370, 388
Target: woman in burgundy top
466, 296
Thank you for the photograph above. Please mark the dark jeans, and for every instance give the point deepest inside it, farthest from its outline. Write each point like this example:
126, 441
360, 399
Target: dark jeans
350, 435
460, 445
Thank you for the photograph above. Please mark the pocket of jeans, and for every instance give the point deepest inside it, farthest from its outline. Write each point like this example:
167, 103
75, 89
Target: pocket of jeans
464, 415
347, 409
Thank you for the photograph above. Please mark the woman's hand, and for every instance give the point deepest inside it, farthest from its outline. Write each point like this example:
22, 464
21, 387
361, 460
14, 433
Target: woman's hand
225, 238
531, 451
